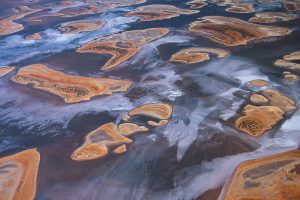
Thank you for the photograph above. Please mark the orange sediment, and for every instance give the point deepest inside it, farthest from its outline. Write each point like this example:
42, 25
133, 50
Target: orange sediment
197, 4
258, 119
71, 88
279, 100
8, 26
111, 138
120, 149
81, 10
98, 143
288, 62
290, 77
257, 83
18, 177
157, 124
241, 8
159, 12
258, 99
274, 177
122, 46
235, 6
231, 31
156, 110
160, 111
292, 56
5, 70
81, 26
271, 17
131, 128
287, 65
197, 55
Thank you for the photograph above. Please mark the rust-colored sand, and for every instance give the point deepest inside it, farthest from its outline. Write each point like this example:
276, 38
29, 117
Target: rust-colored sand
156, 110
90, 8
160, 111
83, 10
131, 128
274, 177
197, 55
258, 99
288, 62
157, 124
81, 26
71, 88
121, 149
292, 56
159, 12
5, 70
99, 143
197, 4
231, 31
258, 119
279, 100
122, 46
287, 65
272, 17
70, 12
94, 8
235, 6
8, 26
257, 83
241, 8
18, 175
290, 77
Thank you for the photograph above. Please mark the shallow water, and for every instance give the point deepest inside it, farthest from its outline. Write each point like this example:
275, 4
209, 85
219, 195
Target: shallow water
195, 152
